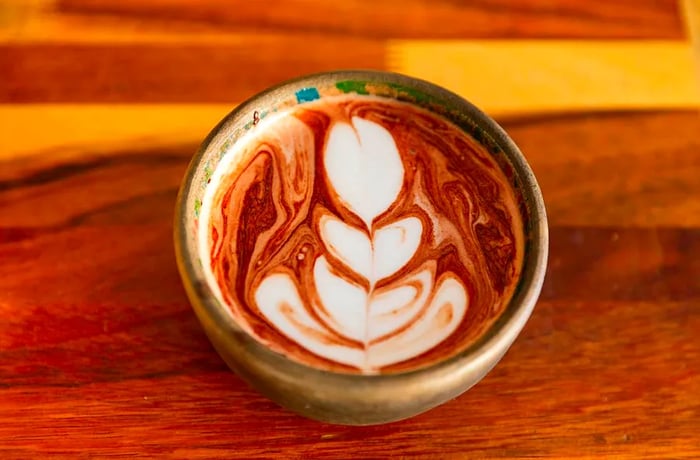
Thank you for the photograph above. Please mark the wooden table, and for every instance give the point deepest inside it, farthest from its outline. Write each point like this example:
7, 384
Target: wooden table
103, 103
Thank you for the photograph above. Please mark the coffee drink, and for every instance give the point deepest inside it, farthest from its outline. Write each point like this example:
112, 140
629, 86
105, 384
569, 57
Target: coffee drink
361, 234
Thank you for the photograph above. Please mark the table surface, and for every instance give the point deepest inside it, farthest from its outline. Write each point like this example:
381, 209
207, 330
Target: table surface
102, 104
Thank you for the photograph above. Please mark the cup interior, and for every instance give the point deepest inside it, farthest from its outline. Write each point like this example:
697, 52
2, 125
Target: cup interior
193, 256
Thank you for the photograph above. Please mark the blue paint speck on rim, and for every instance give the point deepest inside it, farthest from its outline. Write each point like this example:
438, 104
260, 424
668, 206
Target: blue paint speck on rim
307, 95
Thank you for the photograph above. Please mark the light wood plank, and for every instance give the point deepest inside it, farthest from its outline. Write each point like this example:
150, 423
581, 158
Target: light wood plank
690, 9
549, 76
67, 129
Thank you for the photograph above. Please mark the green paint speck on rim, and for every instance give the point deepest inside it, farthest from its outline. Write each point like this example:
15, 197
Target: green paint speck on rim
352, 86
197, 207
414, 94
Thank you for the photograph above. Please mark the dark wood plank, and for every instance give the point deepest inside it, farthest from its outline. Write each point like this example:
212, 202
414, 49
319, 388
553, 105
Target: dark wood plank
571, 385
630, 169
176, 72
409, 18
126, 295
592, 264
558, 393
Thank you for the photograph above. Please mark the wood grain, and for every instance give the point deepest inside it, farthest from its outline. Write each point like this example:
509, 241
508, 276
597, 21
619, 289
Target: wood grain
100, 353
517, 411
571, 385
410, 18
103, 102
636, 169
540, 77
556, 75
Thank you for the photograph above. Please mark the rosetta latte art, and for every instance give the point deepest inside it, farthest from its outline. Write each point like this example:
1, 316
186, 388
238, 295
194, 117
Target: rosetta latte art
349, 237
394, 323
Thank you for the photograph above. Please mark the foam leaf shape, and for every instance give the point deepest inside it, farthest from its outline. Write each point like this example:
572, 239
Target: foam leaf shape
440, 319
364, 167
394, 245
393, 307
348, 244
391, 248
344, 303
278, 300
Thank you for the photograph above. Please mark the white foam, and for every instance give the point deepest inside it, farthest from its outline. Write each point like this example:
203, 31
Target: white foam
393, 308
426, 331
348, 244
391, 248
394, 245
278, 299
364, 167
344, 303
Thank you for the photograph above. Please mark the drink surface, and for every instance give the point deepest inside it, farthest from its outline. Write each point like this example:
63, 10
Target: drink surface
361, 234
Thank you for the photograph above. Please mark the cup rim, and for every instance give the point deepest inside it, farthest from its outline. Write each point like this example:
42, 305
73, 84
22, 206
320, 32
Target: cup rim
493, 342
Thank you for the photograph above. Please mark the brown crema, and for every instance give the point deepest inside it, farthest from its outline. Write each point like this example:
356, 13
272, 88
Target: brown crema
265, 214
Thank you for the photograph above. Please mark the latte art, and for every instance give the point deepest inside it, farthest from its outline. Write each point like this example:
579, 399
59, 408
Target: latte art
364, 172
360, 234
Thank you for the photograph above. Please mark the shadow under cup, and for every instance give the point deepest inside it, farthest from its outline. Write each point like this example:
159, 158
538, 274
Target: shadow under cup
335, 383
